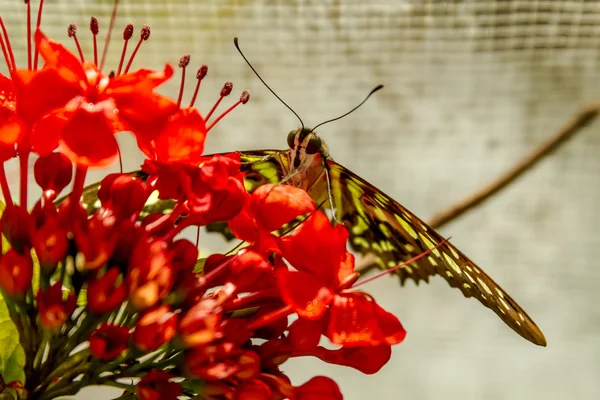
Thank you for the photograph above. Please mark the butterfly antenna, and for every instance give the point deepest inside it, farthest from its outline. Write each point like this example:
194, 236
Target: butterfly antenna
376, 88
235, 42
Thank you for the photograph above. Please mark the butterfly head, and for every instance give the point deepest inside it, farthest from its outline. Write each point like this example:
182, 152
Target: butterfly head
304, 146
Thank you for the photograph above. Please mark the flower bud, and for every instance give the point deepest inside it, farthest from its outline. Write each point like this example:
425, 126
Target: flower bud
154, 328
53, 308
15, 227
156, 385
150, 277
108, 341
16, 271
201, 324
53, 172
123, 194
105, 293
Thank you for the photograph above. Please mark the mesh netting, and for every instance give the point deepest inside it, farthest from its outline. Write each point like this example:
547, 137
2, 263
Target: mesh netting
470, 87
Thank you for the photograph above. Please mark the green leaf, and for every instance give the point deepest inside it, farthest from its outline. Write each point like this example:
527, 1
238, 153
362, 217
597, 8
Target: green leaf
12, 356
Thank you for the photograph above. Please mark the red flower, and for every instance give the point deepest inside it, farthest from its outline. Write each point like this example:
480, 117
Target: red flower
98, 106
216, 191
16, 271
95, 238
107, 342
53, 308
104, 294
154, 328
123, 195
150, 277
181, 141
318, 252
201, 324
267, 209
221, 361
156, 385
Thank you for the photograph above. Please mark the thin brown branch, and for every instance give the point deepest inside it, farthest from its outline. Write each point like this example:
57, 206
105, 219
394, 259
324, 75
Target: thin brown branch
576, 123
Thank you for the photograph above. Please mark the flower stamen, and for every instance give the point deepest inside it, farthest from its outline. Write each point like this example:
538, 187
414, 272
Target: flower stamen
95, 29
199, 76
244, 97
183, 62
9, 50
38, 24
225, 91
127, 34
28, 3
145, 34
72, 33
5, 187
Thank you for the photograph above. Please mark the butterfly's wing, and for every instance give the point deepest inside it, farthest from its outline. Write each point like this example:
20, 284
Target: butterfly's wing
382, 227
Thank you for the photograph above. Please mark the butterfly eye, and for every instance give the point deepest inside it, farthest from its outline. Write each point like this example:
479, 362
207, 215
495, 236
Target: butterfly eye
290, 138
314, 145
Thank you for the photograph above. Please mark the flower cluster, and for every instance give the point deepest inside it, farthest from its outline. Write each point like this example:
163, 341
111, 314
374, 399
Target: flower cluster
97, 296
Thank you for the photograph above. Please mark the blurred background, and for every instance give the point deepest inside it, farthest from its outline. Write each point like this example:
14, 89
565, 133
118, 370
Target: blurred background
470, 87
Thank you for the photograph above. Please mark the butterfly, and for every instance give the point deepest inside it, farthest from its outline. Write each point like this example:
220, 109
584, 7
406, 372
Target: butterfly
379, 227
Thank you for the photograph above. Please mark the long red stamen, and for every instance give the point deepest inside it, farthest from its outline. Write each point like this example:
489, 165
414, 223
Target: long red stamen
243, 100
227, 88
111, 26
8, 45
95, 29
5, 52
183, 62
199, 76
143, 37
127, 34
72, 32
251, 300
28, 33
389, 271
266, 319
37, 26
4, 186
24, 165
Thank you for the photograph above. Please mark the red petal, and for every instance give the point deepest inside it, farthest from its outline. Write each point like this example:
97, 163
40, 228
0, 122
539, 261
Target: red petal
46, 132
58, 57
145, 78
367, 360
88, 136
243, 226
356, 320
319, 388
305, 334
317, 248
275, 205
304, 293
182, 140
7, 94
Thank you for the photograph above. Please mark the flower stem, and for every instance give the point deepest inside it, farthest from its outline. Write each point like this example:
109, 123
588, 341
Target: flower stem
4, 186
24, 164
